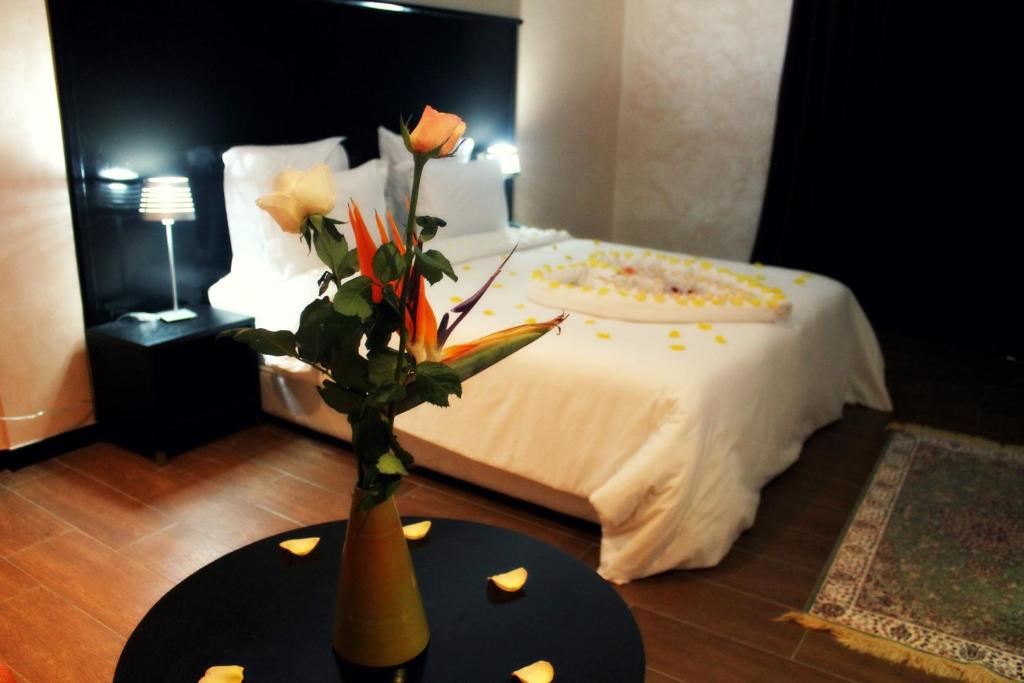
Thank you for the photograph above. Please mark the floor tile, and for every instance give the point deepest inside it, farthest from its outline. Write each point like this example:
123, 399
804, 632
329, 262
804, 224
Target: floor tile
824, 652
131, 473
655, 677
175, 552
13, 478
303, 502
13, 581
48, 640
100, 511
227, 519
102, 582
23, 523
722, 610
317, 463
780, 582
692, 654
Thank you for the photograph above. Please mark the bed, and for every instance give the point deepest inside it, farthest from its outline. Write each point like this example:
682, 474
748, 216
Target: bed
662, 433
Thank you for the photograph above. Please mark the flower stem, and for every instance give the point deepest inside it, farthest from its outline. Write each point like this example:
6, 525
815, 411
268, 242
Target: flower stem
419, 161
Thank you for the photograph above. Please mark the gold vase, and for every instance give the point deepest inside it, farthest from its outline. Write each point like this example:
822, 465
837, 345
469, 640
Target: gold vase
379, 619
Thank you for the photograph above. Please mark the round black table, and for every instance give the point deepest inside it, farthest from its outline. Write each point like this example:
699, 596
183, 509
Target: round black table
272, 613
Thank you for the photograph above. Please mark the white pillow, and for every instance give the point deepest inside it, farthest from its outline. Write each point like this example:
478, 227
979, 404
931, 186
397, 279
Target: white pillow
393, 151
470, 197
249, 172
287, 255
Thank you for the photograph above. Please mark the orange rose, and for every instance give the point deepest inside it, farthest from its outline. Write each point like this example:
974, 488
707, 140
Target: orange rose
434, 130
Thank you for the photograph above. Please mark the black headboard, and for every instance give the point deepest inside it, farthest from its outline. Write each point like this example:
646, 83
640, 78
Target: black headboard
163, 88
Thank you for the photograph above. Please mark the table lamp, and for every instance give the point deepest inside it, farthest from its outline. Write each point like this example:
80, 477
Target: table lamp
168, 199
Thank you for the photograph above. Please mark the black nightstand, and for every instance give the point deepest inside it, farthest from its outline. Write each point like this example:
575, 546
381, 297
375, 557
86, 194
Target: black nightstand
165, 387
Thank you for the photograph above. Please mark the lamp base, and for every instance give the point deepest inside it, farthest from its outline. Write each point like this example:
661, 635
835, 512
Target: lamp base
176, 314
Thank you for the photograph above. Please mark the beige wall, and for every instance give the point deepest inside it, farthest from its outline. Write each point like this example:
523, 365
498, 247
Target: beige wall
43, 363
567, 114
649, 121
698, 102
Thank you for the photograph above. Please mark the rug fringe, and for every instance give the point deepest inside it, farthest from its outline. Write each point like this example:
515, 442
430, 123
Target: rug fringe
894, 652
923, 430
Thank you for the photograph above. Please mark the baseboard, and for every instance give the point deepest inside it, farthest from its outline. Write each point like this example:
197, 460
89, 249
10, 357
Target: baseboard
16, 458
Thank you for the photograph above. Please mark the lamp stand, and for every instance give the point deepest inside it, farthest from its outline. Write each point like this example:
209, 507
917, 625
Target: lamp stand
174, 314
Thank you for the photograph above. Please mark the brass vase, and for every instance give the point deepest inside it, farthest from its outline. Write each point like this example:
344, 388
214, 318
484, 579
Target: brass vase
379, 619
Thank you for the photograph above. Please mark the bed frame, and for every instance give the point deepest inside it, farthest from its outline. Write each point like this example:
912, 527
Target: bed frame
165, 88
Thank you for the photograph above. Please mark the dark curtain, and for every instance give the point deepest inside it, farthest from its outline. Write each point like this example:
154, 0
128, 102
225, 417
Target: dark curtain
894, 166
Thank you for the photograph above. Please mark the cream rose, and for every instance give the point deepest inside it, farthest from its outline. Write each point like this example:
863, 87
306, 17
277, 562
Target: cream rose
435, 129
298, 195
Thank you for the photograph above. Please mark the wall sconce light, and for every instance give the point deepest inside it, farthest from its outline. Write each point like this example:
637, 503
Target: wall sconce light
168, 199
507, 155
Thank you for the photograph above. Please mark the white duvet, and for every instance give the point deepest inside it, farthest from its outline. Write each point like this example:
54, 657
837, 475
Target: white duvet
669, 431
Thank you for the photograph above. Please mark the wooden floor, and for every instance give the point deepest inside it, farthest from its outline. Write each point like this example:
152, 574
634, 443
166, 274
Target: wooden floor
91, 540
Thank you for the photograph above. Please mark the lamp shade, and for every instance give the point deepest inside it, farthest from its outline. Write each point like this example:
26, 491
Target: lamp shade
166, 198
507, 155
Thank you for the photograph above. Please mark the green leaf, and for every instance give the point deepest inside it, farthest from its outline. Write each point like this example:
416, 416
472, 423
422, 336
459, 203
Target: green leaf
387, 262
349, 369
387, 393
382, 367
333, 251
350, 265
389, 463
310, 335
429, 226
353, 297
339, 399
435, 381
267, 342
433, 264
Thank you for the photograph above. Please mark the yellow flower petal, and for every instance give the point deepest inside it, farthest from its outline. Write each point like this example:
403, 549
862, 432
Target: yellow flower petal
286, 211
510, 581
531, 321
315, 189
520, 306
538, 672
677, 347
488, 311
224, 674
467, 267
415, 532
704, 326
674, 334
590, 321
456, 299
497, 285
719, 339
800, 280
603, 335
300, 546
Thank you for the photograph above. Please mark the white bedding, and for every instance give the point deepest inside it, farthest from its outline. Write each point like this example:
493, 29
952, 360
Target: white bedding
668, 431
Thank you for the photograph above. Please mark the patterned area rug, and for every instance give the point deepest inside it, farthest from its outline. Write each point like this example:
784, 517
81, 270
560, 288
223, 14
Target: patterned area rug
930, 569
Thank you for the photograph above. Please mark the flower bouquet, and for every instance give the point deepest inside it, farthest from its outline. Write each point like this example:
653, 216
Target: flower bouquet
382, 351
